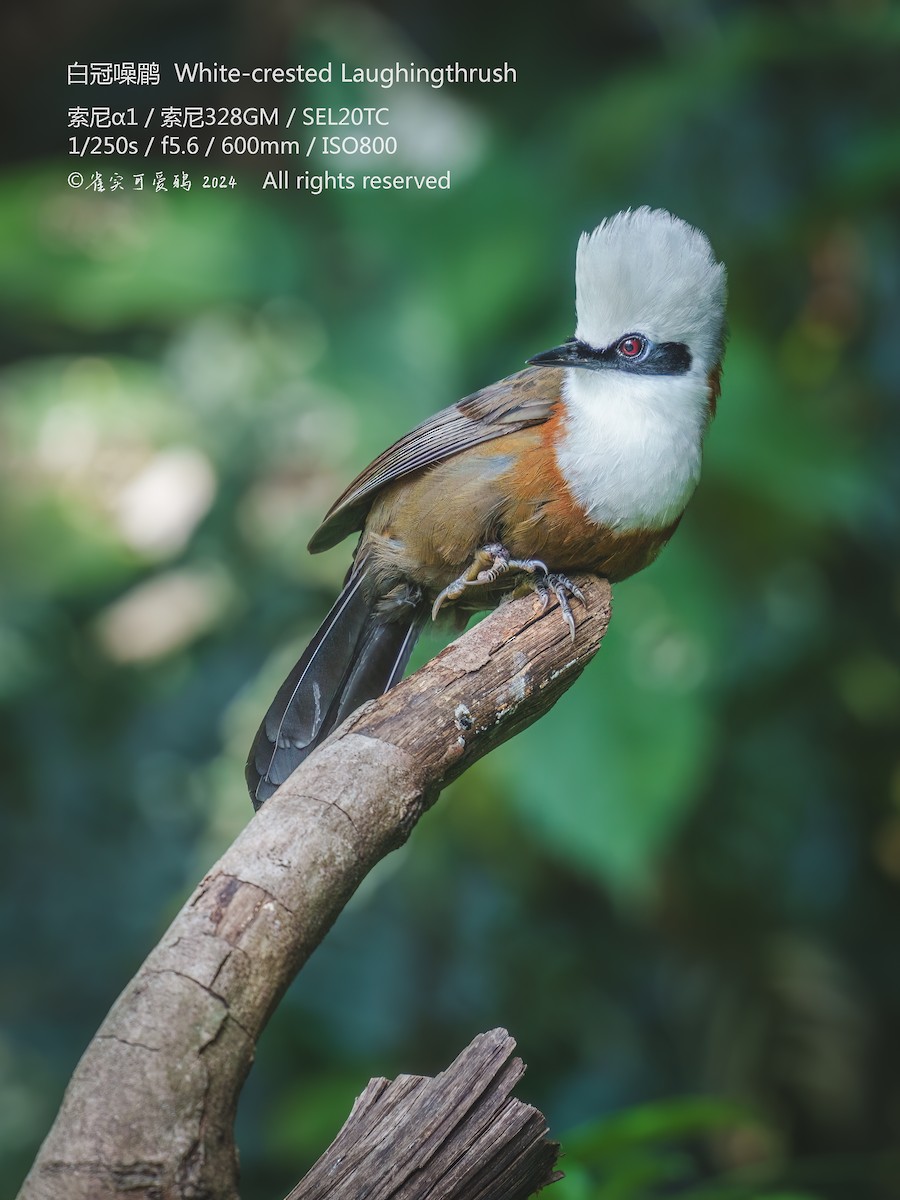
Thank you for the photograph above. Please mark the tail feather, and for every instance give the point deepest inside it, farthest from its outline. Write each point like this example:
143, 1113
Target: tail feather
318, 673
379, 662
359, 651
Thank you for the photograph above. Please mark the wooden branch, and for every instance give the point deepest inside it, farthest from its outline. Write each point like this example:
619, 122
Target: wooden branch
150, 1109
460, 1136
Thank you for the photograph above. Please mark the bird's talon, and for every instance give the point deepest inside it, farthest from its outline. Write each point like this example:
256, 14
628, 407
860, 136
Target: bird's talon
562, 588
487, 566
452, 592
540, 580
530, 566
566, 611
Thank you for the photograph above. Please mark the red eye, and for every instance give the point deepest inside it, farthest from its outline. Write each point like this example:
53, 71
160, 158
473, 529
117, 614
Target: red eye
631, 346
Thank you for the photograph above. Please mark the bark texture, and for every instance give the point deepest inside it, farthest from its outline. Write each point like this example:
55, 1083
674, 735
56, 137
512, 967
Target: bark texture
460, 1136
149, 1111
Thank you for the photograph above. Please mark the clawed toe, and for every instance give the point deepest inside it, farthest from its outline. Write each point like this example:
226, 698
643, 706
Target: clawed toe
493, 561
562, 588
502, 563
487, 566
451, 592
439, 602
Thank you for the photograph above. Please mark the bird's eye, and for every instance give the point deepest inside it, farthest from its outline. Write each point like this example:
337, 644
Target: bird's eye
632, 346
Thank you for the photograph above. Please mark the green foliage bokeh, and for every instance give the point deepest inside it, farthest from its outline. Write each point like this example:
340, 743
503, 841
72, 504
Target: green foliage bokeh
679, 891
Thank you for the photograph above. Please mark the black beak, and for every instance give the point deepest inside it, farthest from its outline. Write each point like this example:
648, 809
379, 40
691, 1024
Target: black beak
569, 354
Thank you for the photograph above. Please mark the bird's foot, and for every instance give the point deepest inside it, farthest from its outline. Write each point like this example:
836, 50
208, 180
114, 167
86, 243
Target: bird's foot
562, 588
489, 563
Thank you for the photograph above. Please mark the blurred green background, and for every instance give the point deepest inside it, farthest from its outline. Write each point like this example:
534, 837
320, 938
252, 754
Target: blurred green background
681, 890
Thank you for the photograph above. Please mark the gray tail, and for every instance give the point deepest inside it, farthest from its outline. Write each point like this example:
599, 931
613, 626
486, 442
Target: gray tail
359, 651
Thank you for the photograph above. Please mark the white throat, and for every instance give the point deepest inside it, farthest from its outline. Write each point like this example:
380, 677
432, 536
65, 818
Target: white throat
630, 452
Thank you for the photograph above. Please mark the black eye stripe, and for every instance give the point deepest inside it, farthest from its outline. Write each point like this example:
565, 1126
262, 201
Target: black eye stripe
664, 358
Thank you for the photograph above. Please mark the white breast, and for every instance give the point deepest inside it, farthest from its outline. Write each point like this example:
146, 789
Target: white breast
631, 448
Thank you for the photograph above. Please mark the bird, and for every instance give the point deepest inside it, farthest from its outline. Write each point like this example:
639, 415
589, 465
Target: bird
583, 461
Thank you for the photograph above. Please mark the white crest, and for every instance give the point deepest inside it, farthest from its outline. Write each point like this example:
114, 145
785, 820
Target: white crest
645, 271
632, 444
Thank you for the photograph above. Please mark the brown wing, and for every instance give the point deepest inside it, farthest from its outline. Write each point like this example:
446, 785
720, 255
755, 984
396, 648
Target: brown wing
526, 398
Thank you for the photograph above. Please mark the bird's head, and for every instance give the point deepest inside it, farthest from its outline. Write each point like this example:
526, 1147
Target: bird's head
650, 299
